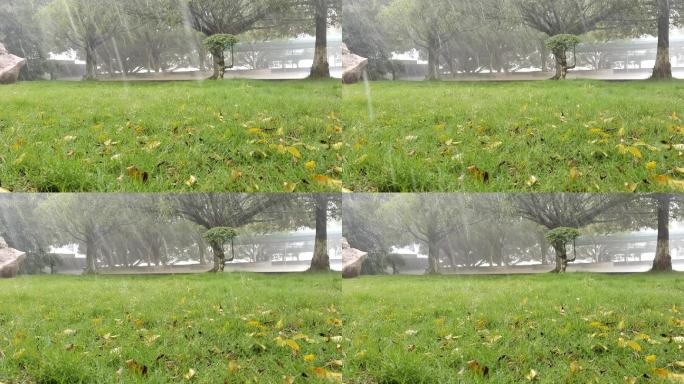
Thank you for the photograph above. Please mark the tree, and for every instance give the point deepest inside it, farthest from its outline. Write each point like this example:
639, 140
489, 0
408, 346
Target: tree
365, 36
663, 67
230, 17
560, 238
321, 10
428, 219
570, 17
365, 229
223, 210
84, 25
425, 24
217, 45
220, 236
321, 260
21, 34
559, 46
569, 210
663, 260
86, 219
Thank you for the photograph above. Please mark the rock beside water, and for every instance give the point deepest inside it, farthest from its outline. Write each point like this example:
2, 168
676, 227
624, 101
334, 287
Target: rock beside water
10, 66
10, 260
352, 261
353, 65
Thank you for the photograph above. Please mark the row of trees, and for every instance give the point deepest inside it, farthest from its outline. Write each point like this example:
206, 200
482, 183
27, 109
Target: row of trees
125, 230
469, 230
127, 35
500, 35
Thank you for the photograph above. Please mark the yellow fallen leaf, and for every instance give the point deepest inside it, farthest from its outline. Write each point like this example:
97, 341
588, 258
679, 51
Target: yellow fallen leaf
532, 375
3, 190
310, 165
532, 181
191, 373
294, 152
477, 368
635, 152
651, 165
152, 145
255, 324
675, 184
235, 174
136, 367
293, 344
634, 345
574, 174
309, 358
574, 367
337, 363
191, 181
650, 359
288, 379
330, 182
289, 187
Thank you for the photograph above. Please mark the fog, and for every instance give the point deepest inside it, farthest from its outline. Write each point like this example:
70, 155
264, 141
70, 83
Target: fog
165, 233
167, 39
507, 233
509, 39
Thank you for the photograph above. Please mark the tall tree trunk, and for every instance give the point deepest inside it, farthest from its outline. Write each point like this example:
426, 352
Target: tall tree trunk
663, 67
433, 60
91, 63
663, 260
91, 267
219, 65
201, 249
321, 67
544, 55
544, 248
321, 260
219, 257
561, 257
433, 257
561, 65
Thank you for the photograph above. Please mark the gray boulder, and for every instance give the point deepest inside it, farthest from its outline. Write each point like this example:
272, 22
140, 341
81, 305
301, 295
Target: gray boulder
352, 261
10, 66
10, 260
353, 66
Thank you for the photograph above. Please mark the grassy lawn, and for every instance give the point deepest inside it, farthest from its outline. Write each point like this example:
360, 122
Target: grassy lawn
569, 329
240, 328
173, 136
520, 136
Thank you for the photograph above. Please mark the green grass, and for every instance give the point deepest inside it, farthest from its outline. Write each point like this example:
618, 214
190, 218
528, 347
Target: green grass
427, 329
173, 136
86, 329
426, 136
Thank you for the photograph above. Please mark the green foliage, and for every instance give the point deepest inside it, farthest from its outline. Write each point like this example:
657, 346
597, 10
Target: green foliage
562, 235
150, 320
511, 325
36, 262
583, 136
220, 235
85, 137
220, 42
562, 43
